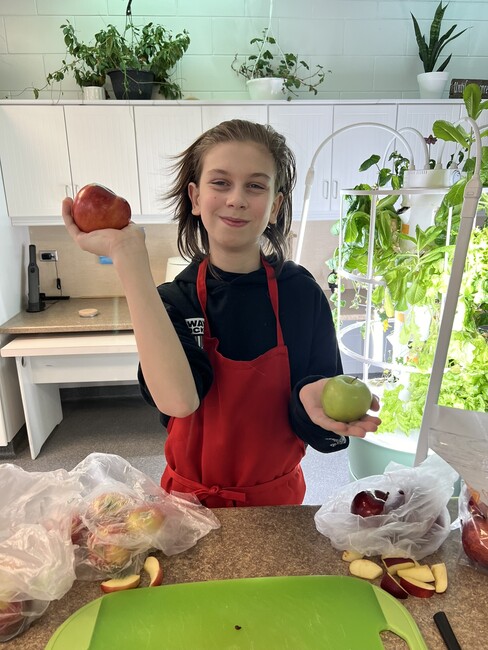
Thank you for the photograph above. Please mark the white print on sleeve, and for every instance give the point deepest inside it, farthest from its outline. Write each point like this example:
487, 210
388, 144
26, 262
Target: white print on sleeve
196, 328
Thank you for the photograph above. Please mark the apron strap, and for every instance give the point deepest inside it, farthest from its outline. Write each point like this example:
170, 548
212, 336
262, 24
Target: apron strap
272, 288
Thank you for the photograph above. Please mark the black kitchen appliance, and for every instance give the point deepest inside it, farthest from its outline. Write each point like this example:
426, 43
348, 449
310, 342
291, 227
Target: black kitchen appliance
35, 303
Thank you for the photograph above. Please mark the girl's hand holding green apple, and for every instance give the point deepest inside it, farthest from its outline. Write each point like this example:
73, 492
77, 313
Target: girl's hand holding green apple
340, 405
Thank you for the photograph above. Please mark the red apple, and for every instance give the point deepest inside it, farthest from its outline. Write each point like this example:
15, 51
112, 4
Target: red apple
366, 504
474, 538
145, 520
96, 207
345, 398
394, 563
417, 588
109, 507
11, 618
393, 587
155, 571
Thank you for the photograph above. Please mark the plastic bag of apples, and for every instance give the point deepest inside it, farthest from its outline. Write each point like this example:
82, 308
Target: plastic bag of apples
402, 512
473, 516
36, 554
122, 514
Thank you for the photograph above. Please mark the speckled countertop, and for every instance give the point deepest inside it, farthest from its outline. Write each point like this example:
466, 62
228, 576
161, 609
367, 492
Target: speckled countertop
281, 541
62, 316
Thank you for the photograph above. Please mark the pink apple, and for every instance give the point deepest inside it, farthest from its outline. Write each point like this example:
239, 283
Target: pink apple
96, 207
345, 398
105, 555
145, 520
474, 537
109, 507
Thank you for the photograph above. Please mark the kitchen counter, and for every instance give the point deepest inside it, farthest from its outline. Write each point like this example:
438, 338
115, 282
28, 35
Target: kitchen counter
281, 541
62, 316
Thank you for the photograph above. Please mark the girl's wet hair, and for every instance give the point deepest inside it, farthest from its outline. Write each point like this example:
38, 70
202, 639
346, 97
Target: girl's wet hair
192, 236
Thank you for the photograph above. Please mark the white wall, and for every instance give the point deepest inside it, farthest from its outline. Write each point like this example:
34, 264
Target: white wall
369, 45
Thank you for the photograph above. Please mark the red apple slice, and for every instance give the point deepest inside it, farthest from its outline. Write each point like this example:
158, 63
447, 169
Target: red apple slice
393, 587
155, 571
440, 574
417, 588
119, 584
420, 572
393, 564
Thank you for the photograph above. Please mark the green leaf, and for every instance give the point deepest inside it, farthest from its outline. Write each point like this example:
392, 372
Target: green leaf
373, 160
447, 131
416, 291
384, 176
472, 100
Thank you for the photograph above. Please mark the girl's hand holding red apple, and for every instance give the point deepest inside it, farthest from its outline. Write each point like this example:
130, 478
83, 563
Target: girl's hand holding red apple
311, 396
105, 241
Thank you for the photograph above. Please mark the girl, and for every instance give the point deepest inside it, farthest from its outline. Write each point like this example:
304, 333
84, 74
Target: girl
236, 350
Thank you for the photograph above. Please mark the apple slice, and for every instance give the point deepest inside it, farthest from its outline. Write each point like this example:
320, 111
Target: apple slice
420, 572
393, 587
417, 587
119, 584
440, 574
393, 564
365, 569
154, 569
350, 555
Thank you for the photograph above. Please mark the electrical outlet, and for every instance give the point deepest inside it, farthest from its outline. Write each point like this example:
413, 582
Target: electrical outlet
48, 256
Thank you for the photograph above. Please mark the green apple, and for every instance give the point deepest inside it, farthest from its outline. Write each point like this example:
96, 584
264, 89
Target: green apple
346, 398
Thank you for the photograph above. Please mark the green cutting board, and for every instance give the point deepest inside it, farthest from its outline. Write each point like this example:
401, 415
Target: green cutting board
302, 612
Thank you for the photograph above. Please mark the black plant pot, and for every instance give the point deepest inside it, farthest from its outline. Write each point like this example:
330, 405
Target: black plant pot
132, 84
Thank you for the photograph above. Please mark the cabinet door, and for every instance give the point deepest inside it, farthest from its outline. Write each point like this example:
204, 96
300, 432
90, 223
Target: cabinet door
422, 117
162, 132
305, 128
102, 149
214, 114
352, 147
35, 164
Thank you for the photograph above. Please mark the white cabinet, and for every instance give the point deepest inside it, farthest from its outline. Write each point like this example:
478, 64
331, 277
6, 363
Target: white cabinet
352, 147
305, 127
215, 113
102, 149
162, 133
35, 162
422, 117
49, 152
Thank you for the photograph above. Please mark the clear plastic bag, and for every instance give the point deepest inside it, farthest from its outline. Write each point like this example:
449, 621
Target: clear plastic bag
122, 514
36, 554
413, 524
473, 518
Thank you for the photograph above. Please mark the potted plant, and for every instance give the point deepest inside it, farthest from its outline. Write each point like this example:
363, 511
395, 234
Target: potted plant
276, 76
413, 270
432, 81
136, 59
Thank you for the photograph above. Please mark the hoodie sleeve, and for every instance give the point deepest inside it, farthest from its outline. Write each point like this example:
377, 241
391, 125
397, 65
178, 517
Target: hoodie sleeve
324, 361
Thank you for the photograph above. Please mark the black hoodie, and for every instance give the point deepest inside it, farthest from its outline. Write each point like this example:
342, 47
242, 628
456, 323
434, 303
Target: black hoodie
241, 318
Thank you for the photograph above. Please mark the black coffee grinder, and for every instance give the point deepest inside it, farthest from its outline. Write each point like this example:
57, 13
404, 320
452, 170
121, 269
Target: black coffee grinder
35, 303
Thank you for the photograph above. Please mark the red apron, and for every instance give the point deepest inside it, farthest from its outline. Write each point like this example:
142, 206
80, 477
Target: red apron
238, 448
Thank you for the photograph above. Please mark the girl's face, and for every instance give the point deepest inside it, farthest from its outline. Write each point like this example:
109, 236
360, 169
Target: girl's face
235, 199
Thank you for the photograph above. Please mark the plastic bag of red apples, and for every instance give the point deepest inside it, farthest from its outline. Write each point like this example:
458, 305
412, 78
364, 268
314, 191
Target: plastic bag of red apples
122, 514
410, 516
473, 517
37, 560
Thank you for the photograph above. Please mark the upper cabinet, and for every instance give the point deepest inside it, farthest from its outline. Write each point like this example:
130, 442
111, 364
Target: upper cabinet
49, 151
102, 149
35, 162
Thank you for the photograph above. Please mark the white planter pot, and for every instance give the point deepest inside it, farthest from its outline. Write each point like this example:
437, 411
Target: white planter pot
93, 92
266, 88
432, 84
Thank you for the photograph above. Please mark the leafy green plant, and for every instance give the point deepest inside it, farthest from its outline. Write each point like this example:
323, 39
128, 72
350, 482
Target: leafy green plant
150, 48
413, 280
295, 72
429, 52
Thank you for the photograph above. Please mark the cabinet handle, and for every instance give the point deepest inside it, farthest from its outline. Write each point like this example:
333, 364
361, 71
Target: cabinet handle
335, 186
67, 190
325, 189
76, 189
